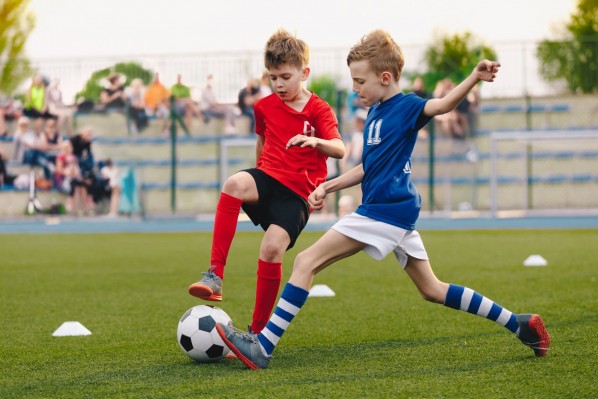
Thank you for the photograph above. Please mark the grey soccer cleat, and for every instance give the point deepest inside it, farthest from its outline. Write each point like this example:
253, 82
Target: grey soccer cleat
231, 354
532, 332
208, 288
245, 345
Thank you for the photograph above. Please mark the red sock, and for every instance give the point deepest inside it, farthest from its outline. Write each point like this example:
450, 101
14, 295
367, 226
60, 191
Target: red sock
225, 226
268, 284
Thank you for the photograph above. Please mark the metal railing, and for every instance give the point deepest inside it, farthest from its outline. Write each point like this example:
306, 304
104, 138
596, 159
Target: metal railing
519, 74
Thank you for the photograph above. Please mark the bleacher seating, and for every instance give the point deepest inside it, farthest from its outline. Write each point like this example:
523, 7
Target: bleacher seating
197, 174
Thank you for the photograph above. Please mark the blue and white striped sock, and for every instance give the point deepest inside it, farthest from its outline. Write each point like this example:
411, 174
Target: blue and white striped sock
466, 299
290, 302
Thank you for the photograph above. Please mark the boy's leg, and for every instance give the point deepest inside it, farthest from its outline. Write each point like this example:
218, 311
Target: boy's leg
255, 350
225, 227
269, 274
529, 328
238, 188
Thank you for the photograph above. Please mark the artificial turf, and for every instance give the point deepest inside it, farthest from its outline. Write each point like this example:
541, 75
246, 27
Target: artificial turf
375, 339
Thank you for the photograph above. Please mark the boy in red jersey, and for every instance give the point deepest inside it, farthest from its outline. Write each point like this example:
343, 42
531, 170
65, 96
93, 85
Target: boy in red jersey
296, 132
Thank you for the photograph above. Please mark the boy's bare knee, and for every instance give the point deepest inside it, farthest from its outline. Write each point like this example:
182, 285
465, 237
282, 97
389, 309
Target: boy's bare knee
232, 185
271, 251
302, 264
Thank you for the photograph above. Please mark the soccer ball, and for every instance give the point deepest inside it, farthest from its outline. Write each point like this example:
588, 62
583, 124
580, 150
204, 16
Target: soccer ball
197, 335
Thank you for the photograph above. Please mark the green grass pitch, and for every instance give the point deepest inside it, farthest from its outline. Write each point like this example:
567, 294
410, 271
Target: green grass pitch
375, 339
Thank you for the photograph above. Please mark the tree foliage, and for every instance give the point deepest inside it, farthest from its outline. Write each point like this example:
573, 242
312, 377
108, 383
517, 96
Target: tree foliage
16, 23
325, 87
94, 85
454, 57
574, 59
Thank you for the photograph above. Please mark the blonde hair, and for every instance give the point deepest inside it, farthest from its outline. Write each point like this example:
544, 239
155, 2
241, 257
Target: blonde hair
285, 48
381, 51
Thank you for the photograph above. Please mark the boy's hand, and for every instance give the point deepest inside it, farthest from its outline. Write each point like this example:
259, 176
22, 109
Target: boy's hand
486, 70
303, 141
316, 198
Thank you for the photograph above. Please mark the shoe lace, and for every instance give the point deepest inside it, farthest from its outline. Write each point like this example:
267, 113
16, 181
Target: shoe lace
210, 275
247, 335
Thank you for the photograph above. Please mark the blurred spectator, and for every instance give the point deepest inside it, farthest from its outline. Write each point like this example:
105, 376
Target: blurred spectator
37, 155
5, 177
23, 136
248, 95
354, 143
3, 126
29, 148
184, 105
135, 97
10, 110
69, 180
56, 107
36, 106
211, 108
449, 123
265, 85
81, 144
419, 89
463, 111
111, 181
467, 112
112, 97
456, 124
50, 139
156, 101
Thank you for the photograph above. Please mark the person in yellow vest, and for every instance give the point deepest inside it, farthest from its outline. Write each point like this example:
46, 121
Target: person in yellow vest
35, 102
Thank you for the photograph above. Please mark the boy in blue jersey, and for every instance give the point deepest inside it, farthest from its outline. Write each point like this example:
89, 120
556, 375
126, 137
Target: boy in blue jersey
385, 220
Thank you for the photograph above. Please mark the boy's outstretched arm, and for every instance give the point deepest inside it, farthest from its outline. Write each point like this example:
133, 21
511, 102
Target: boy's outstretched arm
484, 71
350, 178
334, 148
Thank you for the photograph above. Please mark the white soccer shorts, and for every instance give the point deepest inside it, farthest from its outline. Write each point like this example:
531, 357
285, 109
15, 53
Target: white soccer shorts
382, 238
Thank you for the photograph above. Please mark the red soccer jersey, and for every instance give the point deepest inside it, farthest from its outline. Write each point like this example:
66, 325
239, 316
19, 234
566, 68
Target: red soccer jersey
300, 169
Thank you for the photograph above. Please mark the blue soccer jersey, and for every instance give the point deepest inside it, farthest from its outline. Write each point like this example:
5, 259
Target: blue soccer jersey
389, 136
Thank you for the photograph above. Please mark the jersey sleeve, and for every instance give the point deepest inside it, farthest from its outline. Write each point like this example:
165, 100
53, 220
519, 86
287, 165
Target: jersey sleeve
415, 110
327, 124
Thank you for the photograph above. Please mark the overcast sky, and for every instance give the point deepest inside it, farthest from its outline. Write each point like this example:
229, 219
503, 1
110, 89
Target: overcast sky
86, 28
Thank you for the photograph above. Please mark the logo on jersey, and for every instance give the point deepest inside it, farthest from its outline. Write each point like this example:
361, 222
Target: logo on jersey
308, 130
374, 132
407, 167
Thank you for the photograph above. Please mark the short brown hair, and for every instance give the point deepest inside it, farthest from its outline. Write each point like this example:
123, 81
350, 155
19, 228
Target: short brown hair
382, 52
284, 48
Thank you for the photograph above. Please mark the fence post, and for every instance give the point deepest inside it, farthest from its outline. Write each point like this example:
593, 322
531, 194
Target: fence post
528, 155
172, 155
340, 102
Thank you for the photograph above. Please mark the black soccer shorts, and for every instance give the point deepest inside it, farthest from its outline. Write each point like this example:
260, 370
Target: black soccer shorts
277, 205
